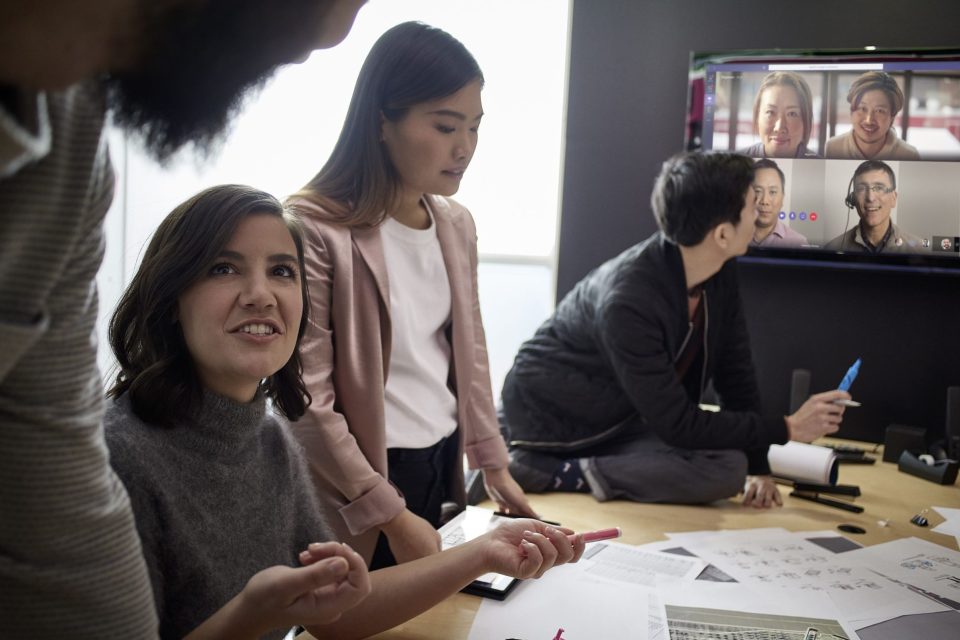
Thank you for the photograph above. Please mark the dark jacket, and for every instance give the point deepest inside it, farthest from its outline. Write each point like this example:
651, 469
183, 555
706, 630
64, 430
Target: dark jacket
605, 359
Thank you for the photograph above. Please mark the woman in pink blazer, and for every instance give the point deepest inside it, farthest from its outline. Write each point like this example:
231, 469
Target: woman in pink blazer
395, 355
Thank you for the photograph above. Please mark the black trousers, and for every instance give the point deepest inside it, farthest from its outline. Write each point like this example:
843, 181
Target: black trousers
422, 475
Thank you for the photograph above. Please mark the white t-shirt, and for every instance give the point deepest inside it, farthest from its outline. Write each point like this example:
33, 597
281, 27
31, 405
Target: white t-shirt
420, 407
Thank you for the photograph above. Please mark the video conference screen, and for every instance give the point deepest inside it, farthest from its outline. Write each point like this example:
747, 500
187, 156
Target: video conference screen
858, 153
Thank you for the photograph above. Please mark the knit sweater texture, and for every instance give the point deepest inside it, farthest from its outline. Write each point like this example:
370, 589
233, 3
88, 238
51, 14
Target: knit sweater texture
216, 499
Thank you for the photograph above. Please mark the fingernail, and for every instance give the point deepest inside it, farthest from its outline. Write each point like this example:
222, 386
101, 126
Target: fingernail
314, 545
550, 530
528, 534
304, 555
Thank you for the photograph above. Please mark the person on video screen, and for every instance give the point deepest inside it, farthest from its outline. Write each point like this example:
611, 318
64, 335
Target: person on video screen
782, 117
874, 195
769, 230
606, 396
875, 100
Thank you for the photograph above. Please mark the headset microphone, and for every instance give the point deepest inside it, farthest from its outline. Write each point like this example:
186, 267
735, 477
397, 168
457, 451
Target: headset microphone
850, 200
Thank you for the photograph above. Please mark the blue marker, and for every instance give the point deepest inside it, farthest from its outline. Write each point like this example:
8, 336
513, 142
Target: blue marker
850, 376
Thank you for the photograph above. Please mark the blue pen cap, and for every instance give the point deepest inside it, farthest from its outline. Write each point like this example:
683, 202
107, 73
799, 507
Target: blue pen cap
850, 376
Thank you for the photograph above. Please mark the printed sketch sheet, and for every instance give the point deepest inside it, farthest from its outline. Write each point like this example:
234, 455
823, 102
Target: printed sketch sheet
921, 566
777, 562
708, 611
605, 595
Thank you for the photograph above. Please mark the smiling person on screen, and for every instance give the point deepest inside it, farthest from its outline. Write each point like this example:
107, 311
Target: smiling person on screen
874, 196
782, 117
875, 100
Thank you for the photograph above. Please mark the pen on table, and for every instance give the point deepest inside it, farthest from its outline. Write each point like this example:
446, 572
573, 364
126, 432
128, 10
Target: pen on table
813, 497
848, 379
504, 514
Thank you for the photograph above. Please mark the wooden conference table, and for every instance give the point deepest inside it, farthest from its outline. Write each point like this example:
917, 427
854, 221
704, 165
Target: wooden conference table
887, 495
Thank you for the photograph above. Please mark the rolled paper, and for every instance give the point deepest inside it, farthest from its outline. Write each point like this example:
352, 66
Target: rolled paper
803, 462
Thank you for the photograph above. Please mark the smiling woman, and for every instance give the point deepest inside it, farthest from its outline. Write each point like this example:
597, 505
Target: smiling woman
207, 330
240, 320
220, 265
782, 117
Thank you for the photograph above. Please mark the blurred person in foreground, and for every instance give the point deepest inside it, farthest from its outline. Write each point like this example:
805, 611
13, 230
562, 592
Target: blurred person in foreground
172, 72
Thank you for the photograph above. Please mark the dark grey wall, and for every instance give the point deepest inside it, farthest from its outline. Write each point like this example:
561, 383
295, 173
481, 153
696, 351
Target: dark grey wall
626, 114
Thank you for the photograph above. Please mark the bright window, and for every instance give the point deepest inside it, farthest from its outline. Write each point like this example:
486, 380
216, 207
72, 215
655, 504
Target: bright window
285, 133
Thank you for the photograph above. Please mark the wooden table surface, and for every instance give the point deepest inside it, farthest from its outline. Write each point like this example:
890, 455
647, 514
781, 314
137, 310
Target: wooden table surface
887, 495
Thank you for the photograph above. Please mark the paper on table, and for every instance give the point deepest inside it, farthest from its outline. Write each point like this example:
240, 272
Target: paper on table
951, 524
775, 562
928, 567
656, 618
627, 563
539, 608
705, 602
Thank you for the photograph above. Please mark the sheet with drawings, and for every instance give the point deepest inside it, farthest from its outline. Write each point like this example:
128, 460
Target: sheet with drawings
788, 561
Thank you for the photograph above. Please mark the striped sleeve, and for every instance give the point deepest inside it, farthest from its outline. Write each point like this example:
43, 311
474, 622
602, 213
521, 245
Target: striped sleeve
70, 558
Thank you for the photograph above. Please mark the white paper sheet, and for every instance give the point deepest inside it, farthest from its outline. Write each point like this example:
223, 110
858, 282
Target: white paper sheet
741, 598
566, 598
774, 562
951, 526
926, 566
630, 564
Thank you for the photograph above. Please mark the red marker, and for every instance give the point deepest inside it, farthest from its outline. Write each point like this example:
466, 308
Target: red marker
602, 534
590, 536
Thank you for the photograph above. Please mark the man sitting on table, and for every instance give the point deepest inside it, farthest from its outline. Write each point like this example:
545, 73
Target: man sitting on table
605, 397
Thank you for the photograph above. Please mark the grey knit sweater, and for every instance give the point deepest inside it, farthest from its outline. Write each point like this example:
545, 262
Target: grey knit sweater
216, 500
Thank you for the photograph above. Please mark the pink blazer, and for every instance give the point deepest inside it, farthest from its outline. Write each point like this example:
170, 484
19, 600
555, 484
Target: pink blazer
346, 355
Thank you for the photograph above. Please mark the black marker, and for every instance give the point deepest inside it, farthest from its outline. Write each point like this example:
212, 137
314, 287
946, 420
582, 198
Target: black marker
504, 514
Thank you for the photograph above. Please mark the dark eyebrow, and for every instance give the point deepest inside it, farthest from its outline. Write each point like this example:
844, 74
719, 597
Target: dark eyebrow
453, 114
277, 257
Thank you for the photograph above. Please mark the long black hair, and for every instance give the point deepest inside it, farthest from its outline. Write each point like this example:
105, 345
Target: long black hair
156, 368
410, 64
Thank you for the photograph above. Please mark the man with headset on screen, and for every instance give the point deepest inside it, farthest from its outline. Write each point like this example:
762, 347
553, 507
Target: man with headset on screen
873, 193
606, 396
